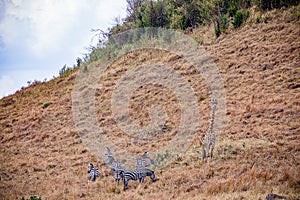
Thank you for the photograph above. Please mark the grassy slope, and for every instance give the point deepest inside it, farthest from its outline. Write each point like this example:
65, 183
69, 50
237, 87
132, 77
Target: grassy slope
259, 149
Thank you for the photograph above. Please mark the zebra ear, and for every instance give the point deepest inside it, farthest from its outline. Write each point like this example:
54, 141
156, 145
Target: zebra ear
108, 152
146, 155
214, 101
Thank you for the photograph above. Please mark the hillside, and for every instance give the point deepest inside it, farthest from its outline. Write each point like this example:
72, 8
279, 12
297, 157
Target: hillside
257, 152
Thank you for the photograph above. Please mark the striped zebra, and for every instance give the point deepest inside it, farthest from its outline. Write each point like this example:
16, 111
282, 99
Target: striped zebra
115, 166
93, 172
109, 156
137, 174
118, 171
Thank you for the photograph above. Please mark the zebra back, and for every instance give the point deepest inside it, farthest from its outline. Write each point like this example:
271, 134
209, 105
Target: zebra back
94, 173
137, 174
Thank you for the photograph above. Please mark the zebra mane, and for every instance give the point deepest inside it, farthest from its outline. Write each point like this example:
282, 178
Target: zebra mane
110, 159
108, 152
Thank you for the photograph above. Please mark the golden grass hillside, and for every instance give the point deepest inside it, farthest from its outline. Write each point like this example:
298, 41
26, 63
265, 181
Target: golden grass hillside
257, 152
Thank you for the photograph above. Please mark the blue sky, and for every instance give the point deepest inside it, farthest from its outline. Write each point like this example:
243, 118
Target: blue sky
38, 37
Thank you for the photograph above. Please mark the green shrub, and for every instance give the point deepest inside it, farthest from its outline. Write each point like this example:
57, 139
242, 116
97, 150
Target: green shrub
258, 19
238, 19
247, 14
45, 105
298, 15
266, 18
217, 31
232, 10
223, 22
84, 68
65, 71
33, 198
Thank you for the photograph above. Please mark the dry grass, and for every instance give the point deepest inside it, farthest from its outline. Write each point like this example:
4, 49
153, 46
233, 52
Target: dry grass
258, 151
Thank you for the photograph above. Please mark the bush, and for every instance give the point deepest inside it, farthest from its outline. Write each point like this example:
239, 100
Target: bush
298, 16
65, 71
84, 68
223, 22
45, 105
238, 19
257, 20
217, 31
33, 198
232, 10
246, 14
266, 18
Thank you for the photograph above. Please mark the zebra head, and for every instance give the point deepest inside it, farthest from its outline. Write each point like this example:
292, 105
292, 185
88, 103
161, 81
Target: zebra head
152, 176
90, 167
109, 160
146, 155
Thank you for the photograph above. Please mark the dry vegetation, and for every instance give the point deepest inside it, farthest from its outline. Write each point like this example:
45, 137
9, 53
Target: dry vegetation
258, 151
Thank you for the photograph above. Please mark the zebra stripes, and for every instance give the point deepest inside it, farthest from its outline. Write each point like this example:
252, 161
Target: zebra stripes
109, 157
93, 172
137, 174
274, 196
140, 173
118, 171
115, 166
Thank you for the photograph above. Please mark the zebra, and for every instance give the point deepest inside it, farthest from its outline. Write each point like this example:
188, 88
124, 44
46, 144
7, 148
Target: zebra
93, 172
137, 174
118, 171
208, 143
109, 156
272, 196
145, 161
115, 166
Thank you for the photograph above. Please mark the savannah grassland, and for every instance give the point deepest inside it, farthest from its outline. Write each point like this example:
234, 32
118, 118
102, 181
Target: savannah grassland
257, 152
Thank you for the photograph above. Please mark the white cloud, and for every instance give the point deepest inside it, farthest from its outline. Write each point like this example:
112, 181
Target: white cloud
46, 25
46, 34
7, 85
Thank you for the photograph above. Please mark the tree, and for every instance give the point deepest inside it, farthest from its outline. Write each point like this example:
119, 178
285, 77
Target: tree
133, 10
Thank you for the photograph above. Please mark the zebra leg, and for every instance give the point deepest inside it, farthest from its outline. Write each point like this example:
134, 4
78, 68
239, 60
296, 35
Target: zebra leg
153, 177
203, 152
212, 151
125, 184
142, 180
